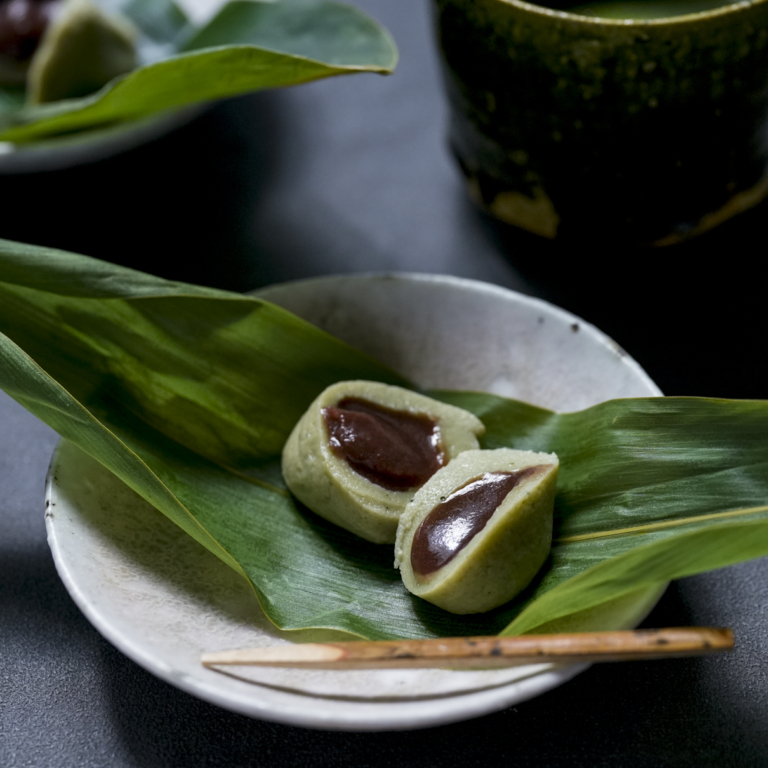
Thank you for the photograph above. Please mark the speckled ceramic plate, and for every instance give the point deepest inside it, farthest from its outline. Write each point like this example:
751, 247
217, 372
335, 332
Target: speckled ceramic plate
163, 600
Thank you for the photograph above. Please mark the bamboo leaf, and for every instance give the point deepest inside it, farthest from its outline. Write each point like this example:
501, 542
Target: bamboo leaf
187, 394
251, 45
672, 557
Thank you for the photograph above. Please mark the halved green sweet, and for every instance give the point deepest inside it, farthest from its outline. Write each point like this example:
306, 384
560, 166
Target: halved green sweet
82, 49
347, 489
476, 534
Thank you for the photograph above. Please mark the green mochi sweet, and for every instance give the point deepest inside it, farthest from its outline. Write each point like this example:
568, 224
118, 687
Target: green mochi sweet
82, 49
330, 487
501, 558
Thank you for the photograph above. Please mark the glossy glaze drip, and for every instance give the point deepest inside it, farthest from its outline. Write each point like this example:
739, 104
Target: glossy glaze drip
453, 523
396, 450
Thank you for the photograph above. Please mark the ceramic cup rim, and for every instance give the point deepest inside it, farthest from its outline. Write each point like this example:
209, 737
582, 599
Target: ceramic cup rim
728, 9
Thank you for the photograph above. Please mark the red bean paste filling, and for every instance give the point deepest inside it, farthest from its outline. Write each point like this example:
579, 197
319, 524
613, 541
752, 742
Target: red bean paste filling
396, 450
22, 23
453, 523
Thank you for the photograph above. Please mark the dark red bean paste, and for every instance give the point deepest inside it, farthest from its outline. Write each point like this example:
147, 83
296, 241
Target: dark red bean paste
453, 523
396, 450
22, 23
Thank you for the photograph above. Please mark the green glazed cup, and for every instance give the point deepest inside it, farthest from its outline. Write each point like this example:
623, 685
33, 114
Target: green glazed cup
620, 131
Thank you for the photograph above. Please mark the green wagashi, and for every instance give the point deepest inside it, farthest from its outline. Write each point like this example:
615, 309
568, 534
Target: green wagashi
81, 51
362, 448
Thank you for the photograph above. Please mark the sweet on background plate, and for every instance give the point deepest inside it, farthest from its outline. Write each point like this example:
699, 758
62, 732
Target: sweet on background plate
187, 55
163, 600
90, 146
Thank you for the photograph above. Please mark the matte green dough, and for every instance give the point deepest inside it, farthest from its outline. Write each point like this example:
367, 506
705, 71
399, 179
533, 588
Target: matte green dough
82, 50
327, 484
502, 558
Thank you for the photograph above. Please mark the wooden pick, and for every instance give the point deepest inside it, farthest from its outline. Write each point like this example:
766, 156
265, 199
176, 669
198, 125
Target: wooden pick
485, 652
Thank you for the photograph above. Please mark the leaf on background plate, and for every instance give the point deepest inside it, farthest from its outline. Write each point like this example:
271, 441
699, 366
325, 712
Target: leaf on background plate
187, 394
250, 45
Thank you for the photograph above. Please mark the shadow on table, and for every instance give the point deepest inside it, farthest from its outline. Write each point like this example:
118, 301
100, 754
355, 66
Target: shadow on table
692, 314
176, 207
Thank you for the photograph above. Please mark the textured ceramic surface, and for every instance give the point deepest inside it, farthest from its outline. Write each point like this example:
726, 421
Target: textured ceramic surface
642, 132
163, 600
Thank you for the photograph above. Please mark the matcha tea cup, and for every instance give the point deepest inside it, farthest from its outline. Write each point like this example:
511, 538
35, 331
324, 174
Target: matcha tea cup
583, 128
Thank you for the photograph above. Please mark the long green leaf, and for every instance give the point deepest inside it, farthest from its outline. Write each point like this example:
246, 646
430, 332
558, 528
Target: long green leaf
188, 394
251, 45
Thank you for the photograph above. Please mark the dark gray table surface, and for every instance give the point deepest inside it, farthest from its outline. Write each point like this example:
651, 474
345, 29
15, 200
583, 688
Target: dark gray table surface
347, 175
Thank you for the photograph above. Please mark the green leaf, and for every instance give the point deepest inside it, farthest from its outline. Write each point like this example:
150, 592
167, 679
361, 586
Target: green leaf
327, 33
187, 394
167, 354
251, 45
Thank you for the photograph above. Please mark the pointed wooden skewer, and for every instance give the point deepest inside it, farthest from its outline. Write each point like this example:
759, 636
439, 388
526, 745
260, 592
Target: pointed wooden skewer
485, 652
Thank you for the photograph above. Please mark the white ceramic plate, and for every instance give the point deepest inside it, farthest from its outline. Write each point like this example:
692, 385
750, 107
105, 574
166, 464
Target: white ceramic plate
163, 600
